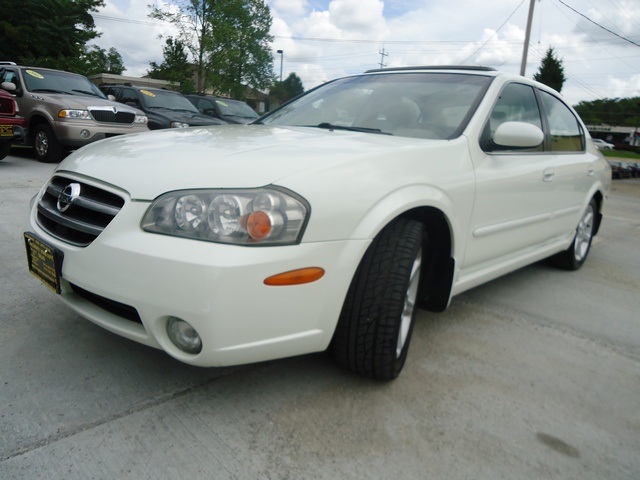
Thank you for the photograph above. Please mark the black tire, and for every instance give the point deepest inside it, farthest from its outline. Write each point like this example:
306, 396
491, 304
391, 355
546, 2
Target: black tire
46, 147
373, 332
574, 257
5, 148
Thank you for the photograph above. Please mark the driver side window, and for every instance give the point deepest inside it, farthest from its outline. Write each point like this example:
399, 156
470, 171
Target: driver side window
516, 103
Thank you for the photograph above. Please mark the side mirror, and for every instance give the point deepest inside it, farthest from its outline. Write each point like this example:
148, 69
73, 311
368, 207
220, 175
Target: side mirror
111, 97
8, 86
518, 135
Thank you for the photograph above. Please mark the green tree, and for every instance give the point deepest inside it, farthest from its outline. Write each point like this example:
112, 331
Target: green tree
99, 60
289, 88
622, 112
228, 41
551, 71
175, 67
47, 33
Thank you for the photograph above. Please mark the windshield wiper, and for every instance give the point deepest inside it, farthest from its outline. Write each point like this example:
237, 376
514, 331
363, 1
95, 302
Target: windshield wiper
49, 90
331, 126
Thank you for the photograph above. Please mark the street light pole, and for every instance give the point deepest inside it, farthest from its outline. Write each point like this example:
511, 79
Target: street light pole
281, 52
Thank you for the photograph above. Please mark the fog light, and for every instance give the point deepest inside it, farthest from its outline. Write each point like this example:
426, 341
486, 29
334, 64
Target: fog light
85, 133
183, 336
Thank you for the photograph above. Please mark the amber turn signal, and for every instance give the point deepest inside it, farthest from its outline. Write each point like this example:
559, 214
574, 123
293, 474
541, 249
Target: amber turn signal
295, 277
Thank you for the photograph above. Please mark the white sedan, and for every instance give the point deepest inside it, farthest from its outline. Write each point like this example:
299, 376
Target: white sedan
602, 145
325, 223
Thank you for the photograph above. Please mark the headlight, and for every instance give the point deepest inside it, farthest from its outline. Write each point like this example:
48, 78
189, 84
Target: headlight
179, 125
141, 119
264, 216
75, 114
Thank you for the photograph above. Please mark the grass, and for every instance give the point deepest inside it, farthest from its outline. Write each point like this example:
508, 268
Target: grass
621, 154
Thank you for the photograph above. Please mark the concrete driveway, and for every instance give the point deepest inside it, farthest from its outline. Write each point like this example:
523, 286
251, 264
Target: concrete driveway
535, 375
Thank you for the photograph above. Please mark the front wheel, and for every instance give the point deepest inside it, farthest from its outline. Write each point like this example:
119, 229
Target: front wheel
574, 257
5, 148
373, 332
46, 147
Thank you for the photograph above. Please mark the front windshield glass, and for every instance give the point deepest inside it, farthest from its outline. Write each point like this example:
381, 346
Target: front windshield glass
168, 100
418, 105
230, 108
52, 81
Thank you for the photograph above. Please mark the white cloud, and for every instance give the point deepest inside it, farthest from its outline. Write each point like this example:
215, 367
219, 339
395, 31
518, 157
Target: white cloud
290, 7
358, 17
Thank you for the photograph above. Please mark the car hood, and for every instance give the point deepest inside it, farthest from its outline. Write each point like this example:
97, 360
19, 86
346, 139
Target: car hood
194, 119
82, 102
228, 156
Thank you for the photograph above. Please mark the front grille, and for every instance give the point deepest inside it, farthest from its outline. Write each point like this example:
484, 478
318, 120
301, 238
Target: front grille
85, 216
107, 115
120, 309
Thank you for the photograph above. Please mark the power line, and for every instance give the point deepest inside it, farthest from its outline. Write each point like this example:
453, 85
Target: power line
597, 24
126, 20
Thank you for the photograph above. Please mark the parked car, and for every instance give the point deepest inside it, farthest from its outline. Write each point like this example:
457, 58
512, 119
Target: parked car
602, 145
65, 110
164, 108
231, 111
12, 126
616, 169
634, 168
626, 171
325, 224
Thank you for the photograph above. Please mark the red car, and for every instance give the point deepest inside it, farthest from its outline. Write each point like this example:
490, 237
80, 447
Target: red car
12, 126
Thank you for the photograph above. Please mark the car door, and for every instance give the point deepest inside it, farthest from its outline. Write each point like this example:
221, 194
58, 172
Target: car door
572, 168
515, 188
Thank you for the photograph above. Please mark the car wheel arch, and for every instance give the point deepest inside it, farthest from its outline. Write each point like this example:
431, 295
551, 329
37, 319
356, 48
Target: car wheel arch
438, 258
34, 121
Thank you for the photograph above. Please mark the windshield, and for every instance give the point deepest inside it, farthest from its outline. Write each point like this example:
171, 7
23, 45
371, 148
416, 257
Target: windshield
53, 81
230, 108
418, 105
168, 100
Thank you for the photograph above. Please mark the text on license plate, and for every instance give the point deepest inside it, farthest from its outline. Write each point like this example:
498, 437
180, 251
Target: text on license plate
6, 130
45, 262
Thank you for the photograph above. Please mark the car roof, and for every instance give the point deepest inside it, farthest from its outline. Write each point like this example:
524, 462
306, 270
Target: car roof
466, 68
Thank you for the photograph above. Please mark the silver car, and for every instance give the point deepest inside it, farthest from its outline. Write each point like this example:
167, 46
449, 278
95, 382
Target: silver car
65, 110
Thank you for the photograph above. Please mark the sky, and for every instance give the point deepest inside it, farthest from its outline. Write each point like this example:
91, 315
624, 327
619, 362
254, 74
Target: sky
598, 41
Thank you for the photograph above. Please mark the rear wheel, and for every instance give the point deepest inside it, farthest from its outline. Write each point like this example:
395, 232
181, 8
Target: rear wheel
574, 257
375, 326
46, 147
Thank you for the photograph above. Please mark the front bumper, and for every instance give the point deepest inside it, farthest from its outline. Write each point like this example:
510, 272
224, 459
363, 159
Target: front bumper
79, 133
217, 288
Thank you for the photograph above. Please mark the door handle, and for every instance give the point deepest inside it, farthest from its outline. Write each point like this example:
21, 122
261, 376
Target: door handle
548, 175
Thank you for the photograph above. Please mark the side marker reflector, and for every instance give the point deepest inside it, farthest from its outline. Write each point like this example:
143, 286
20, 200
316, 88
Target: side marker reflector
295, 277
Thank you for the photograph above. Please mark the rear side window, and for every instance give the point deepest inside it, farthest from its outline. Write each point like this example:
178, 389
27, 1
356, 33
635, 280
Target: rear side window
565, 130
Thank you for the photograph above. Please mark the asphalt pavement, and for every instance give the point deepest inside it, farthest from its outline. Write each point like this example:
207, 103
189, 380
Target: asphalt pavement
534, 375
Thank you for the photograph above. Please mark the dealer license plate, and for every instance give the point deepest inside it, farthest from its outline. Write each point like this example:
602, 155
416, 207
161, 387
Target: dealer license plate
6, 130
45, 262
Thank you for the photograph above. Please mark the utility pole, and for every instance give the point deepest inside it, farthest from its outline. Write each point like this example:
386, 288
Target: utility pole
382, 55
527, 35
